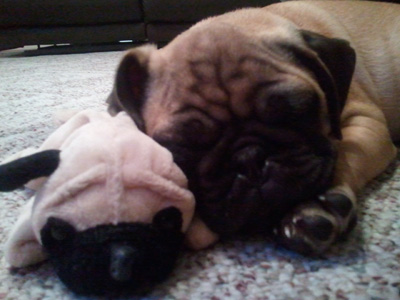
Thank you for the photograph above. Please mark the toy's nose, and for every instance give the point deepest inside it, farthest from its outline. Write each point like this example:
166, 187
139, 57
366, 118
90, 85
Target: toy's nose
122, 260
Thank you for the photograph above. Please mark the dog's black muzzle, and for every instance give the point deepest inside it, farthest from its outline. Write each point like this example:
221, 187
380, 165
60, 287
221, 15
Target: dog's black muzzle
256, 175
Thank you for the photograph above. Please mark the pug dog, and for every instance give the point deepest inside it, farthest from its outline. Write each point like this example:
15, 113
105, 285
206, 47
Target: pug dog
279, 116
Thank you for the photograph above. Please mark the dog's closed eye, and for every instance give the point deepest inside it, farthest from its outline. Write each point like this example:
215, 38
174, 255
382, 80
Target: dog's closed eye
286, 106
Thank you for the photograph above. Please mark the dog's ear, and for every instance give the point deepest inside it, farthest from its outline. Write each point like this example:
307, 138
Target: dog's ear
332, 61
130, 83
18, 172
340, 59
338, 56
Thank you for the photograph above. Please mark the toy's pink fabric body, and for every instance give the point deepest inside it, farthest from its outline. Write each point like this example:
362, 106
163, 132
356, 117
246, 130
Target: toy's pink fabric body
109, 173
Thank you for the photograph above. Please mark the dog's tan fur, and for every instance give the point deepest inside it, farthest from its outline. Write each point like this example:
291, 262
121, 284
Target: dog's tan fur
183, 72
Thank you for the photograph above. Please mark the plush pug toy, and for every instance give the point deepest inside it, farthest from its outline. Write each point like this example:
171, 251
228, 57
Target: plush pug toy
110, 210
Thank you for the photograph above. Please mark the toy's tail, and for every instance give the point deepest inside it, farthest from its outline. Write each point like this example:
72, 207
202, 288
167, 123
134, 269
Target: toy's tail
18, 172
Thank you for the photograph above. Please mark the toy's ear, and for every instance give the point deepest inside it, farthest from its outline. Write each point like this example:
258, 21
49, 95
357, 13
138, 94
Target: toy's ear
168, 219
57, 234
18, 172
22, 247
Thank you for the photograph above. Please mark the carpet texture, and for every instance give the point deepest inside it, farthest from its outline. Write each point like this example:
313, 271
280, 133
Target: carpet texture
365, 266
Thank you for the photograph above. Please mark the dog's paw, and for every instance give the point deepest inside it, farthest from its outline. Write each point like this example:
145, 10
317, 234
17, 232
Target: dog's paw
313, 227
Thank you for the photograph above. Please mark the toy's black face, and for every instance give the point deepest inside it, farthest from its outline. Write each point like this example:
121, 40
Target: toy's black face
114, 259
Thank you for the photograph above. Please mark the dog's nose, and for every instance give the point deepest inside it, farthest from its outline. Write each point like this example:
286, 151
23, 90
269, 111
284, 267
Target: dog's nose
249, 161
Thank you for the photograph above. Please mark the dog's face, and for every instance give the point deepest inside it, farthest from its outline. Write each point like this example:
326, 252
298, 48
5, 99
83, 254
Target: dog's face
251, 119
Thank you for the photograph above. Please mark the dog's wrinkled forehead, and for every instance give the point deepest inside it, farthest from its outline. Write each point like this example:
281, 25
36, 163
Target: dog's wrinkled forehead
216, 34
224, 47
216, 71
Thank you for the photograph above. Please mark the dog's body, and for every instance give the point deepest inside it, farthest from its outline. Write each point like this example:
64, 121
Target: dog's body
270, 117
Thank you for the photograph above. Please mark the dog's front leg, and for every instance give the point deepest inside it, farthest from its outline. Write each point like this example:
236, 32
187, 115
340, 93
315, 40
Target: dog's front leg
364, 152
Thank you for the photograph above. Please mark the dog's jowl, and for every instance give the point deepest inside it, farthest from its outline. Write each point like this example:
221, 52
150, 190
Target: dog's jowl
279, 116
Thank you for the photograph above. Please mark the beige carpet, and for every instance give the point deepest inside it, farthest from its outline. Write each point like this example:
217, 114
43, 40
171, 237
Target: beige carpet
365, 267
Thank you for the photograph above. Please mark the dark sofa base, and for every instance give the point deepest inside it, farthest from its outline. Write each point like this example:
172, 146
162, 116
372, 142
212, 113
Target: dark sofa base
90, 22
14, 38
77, 48
164, 32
